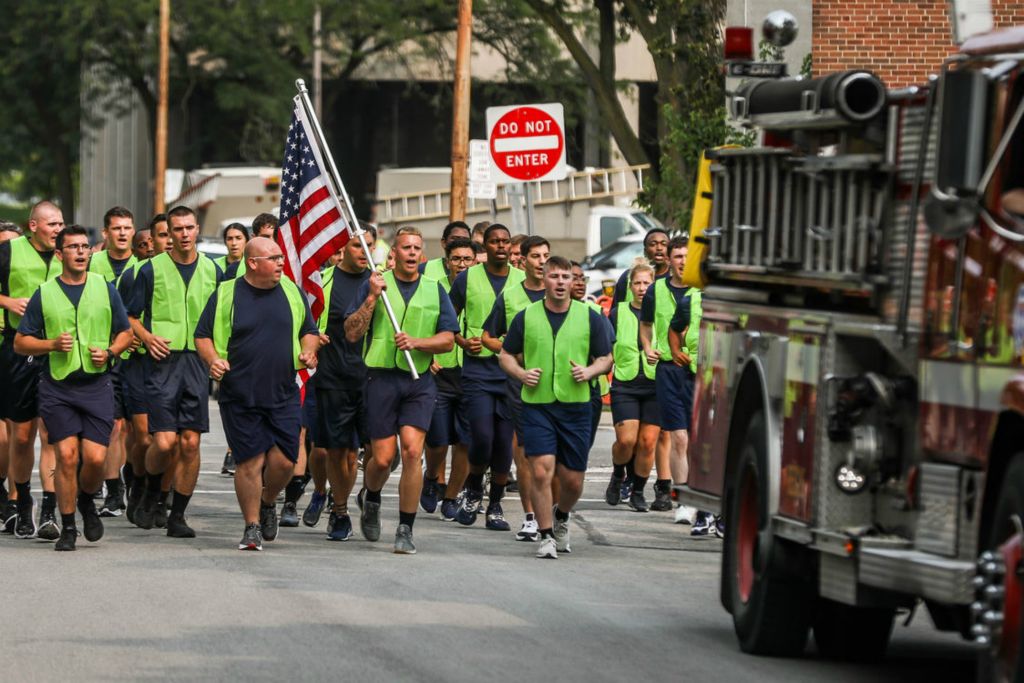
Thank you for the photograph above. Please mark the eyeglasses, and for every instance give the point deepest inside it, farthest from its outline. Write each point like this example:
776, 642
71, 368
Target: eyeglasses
581, 278
276, 258
76, 247
461, 259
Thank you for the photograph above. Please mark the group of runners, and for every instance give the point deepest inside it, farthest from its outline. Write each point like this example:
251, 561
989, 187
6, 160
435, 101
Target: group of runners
499, 360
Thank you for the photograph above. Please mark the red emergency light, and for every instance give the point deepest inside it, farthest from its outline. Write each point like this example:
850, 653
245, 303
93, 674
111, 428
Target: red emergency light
739, 43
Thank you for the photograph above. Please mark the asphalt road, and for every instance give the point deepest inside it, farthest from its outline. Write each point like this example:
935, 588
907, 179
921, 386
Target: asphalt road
636, 600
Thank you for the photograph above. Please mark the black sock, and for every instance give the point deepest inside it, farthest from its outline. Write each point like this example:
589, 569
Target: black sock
447, 500
663, 485
561, 516
372, 497
180, 503
153, 484
529, 517
432, 480
67, 521
639, 483
267, 506
84, 501
631, 466
24, 496
406, 518
293, 491
128, 474
49, 500
113, 487
3, 489
619, 471
475, 482
496, 494
547, 533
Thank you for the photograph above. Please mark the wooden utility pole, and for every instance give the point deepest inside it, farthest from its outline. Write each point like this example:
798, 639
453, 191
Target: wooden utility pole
318, 94
161, 108
460, 112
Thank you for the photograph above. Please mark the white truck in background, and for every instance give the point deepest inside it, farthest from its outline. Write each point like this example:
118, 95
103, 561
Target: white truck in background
224, 194
580, 215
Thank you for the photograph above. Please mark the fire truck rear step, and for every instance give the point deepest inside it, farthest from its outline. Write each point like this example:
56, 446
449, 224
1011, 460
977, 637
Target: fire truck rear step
918, 573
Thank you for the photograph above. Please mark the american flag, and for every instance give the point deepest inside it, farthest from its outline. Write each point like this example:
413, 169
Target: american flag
312, 227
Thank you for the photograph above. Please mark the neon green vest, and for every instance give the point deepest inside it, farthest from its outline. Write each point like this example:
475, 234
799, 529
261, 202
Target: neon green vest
664, 309
629, 357
435, 270
552, 353
88, 323
480, 299
692, 339
418, 318
327, 282
452, 359
100, 264
516, 299
28, 271
175, 309
224, 318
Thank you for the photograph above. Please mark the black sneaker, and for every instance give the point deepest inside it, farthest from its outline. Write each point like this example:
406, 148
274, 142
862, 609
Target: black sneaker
66, 542
369, 521
512, 486
160, 515
311, 517
252, 539
612, 494
8, 517
91, 522
177, 527
48, 530
429, 495
134, 499
146, 512
360, 497
24, 525
332, 519
637, 502
268, 521
662, 499
289, 517
113, 505
228, 467
471, 505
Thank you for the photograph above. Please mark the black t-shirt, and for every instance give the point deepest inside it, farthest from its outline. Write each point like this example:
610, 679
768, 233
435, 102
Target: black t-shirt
473, 367
33, 324
140, 301
341, 363
262, 373
640, 384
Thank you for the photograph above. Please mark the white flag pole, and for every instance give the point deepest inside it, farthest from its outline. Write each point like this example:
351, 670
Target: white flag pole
341, 195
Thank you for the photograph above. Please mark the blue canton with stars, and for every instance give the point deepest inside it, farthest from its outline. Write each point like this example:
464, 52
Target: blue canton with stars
298, 169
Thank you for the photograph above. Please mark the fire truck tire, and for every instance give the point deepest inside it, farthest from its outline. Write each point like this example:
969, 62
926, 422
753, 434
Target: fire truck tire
771, 598
850, 633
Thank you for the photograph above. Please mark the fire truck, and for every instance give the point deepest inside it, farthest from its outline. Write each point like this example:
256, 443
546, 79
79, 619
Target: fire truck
859, 403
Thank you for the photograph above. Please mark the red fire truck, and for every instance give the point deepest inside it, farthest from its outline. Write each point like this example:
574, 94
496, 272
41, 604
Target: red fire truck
859, 410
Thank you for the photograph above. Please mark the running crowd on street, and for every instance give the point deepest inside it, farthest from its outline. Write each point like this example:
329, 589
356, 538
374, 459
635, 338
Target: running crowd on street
110, 355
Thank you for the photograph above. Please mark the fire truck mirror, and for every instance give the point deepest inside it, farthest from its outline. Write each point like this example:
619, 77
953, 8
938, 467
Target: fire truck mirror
963, 132
780, 28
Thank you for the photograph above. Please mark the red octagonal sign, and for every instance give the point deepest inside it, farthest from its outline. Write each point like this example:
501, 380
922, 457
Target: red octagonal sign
527, 142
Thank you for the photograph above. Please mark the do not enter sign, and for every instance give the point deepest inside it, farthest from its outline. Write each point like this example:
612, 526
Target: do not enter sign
527, 142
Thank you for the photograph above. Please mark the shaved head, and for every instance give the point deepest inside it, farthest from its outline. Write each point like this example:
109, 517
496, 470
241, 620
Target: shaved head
44, 207
261, 246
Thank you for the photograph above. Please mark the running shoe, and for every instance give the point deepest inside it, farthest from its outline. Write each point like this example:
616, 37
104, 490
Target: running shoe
252, 539
369, 521
613, 494
662, 499
702, 524
360, 497
332, 519
685, 514
428, 496
24, 524
177, 527
637, 502
134, 499
627, 488
289, 516
48, 530
8, 517
160, 514
113, 504
92, 525
561, 531
146, 513
471, 504
403, 540
718, 529
228, 468
342, 528
449, 508
66, 542
496, 518
268, 521
311, 517
529, 531
548, 549
512, 486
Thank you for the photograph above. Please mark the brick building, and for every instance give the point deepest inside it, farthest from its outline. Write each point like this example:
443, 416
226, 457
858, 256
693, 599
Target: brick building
903, 41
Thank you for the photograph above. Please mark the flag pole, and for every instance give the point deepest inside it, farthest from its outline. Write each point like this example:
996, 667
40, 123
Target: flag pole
342, 196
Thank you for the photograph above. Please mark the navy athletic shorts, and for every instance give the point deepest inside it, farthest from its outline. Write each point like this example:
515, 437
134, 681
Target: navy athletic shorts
177, 391
133, 385
449, 424
559, 429
395, 400
674, 388
515, 406
82, 409
629, 405
252, 431
117, 382
341, 419
309, 415
19, 379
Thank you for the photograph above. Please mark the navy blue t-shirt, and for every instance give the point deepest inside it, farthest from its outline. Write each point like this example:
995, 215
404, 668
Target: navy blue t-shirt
33, 325
473, 367
640, 384
496, 325
602, 336
622, 286
141, 299
341, 363
447, 321
262, 373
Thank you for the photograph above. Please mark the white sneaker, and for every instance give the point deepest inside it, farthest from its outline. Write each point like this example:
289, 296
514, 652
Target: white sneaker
547, 550
529, 531
685, 514
561, 531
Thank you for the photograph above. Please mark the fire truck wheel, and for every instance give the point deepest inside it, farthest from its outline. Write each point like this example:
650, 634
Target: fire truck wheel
852, 633
770, 596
